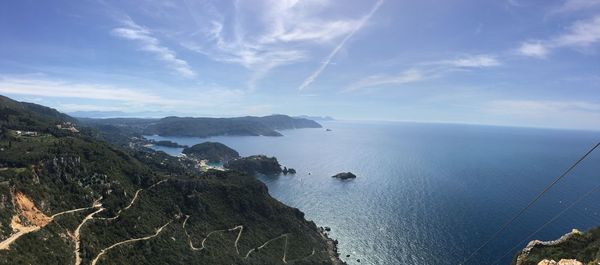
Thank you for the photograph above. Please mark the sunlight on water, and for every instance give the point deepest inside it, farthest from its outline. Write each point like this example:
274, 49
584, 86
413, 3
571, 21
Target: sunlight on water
427, 193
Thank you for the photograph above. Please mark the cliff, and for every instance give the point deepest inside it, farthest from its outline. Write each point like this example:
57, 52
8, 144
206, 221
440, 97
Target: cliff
571, 248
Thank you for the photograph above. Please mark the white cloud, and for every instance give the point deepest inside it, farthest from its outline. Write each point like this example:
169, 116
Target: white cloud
576, 5
149, 43
116, 95
266, 34
53, 88
67, 107
427, 70
582, 34
475, 61
310, 79
533, 49
409, 76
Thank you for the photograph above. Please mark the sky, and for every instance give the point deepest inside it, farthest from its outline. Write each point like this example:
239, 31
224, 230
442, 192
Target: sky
501, 62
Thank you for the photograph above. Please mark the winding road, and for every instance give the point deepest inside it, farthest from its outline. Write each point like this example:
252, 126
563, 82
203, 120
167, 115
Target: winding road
102, 252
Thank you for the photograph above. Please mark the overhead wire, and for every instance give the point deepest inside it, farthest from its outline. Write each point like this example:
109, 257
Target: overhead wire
530, 204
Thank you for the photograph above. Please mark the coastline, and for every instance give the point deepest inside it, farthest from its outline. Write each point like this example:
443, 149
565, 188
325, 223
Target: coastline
331, 247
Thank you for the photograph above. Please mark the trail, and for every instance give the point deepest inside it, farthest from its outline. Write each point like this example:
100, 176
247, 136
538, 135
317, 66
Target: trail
37, 219
310, 255
95, 260
71, 211
21, 231
266, 243
157, 183
237, 239
202, 243
135, 196
285, 249
77, 235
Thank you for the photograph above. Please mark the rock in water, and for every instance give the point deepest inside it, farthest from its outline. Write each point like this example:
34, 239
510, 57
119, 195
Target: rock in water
344, 175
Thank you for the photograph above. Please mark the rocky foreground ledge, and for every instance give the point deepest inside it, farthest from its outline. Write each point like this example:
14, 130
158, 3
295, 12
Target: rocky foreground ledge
573, 248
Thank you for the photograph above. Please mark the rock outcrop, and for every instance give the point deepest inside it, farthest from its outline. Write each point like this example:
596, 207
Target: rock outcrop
561, 262
344, 175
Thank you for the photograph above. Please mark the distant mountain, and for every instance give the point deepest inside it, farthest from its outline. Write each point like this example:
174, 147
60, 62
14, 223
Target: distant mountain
67, 197
316, 118
113, 114
206, 127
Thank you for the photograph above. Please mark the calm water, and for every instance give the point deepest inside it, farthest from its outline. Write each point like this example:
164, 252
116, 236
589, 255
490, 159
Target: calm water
428, 193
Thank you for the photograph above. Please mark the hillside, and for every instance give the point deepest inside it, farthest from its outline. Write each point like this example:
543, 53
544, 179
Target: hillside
205, 127
212, 151
68, 198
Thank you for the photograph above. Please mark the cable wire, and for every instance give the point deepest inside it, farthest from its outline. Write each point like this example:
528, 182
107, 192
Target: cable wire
530, 203
595, 189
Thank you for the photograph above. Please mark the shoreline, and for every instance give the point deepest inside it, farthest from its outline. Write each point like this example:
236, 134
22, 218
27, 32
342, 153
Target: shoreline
331, 247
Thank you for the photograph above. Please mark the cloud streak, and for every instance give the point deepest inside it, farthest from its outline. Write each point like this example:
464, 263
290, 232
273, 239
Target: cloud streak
149, 43
576, 5
311, 78
582, 34
112, 94
264, 35
409, 76
425, 71
475, 61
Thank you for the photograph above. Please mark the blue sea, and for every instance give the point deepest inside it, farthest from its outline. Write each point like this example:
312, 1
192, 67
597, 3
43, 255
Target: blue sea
429, 193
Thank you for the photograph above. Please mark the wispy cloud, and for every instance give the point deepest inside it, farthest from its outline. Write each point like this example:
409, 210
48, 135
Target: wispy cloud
122, 96
576, 5
582, 34
534, 49
311, 78
264, 35
409, 76
475, 61
132, 31
426, 70
66, 89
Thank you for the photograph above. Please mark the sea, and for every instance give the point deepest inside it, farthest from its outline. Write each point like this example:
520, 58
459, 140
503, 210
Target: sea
430, 193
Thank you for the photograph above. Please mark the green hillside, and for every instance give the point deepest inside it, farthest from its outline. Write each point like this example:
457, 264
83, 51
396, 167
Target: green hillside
68, 198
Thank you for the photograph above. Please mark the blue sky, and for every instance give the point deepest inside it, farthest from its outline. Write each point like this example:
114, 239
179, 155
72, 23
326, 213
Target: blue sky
513, 62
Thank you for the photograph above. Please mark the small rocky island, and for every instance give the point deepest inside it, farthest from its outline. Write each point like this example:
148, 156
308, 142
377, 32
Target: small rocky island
344, 176
212, 151
290, 170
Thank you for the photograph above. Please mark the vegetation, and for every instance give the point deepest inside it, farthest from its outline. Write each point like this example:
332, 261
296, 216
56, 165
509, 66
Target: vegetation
212, 151
128, 194
255, 164
583, 247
